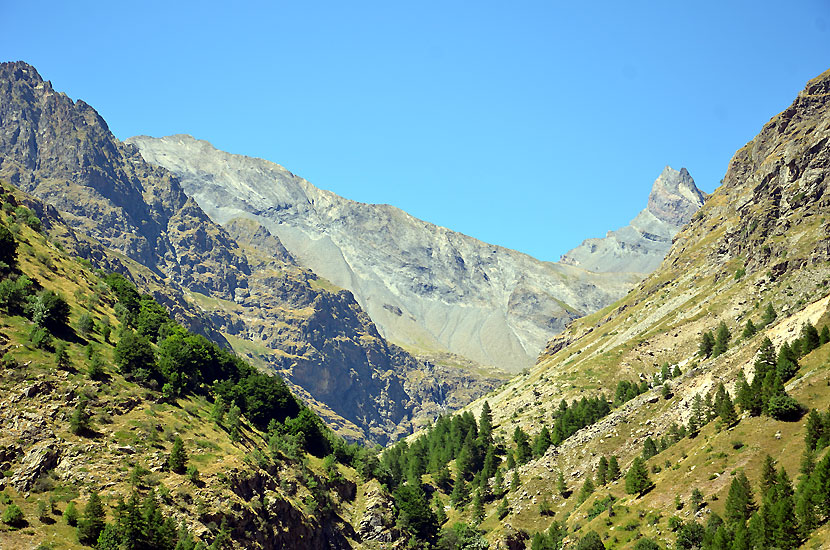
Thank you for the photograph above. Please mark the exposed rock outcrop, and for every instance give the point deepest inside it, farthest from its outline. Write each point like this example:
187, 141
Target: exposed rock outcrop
640, 246
426, 287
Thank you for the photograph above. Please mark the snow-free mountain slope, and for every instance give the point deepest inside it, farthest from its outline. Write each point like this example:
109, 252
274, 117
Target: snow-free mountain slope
426, 287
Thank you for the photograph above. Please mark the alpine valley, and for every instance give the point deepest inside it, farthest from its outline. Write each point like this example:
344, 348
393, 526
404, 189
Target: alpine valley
202, 349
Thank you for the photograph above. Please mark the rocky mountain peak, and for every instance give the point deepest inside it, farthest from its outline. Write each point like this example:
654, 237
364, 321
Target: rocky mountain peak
674, 197
640, 246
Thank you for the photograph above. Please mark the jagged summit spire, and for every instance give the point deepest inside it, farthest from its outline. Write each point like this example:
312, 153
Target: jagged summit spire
674, 197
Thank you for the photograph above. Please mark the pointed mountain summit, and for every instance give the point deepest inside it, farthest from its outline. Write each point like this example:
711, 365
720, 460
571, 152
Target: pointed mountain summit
640, 246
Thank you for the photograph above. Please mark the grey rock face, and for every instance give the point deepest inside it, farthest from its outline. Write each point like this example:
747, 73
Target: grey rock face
426, 287
640, 246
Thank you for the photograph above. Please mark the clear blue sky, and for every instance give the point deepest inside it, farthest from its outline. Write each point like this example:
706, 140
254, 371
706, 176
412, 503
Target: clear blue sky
532, 125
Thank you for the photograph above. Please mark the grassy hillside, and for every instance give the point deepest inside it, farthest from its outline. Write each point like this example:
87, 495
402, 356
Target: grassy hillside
71, 430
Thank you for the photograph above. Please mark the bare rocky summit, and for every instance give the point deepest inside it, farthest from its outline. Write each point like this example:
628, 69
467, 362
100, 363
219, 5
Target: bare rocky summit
426, 287
640, 246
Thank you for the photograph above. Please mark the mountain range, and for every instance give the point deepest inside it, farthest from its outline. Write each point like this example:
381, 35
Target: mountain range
689, 413
426, 287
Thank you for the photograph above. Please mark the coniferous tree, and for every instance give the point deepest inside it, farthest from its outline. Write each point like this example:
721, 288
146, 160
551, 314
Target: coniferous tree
769, 476
748, 399
91, 522
515, 482
707, 344
721, 340
460, 492
726, 411
478, 507
769, 315
749, 329
442, 477
586, 490
503, 509
498, 484
602, 471
636, 479
541, 442
440, 513
787, 363
177, 461
676, 372
739, 502
814, 430
80, 420
824, 337
523, 450
786, 529
70, 514
810, 338
665, 372
613, 468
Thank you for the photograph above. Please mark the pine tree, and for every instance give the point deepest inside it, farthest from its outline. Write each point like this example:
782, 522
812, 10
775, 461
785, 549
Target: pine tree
478, 507
485, 425
676, 372
739, 502
810, 338
649, 448
769, 476
503, 509
726, 411
498, 484
748, 399
440, 513
749, 329
460, 492
707, 344
515, 482
824, 337
636, 479
787, 363
613, 468
70, 514
785, 532
91, 522
721, 340
586, 490
769, 315
541, 442
591, 541
602, 471
62, 361
814, 430
665, 372
177, 461
523, 450
79, 421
